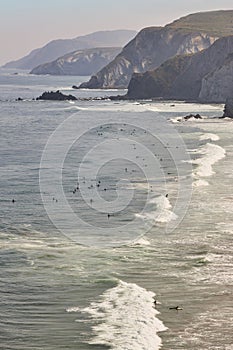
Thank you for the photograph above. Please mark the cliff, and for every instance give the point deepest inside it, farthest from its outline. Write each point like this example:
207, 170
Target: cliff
150, 48
154, 45
60, 47
218, 84
81, 62
159, 82
190, 77
228, 108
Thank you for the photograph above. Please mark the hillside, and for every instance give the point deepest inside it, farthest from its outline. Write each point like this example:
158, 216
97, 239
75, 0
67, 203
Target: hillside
218, 23
205, 76
81, 62
159, 82
154, 45
60, 47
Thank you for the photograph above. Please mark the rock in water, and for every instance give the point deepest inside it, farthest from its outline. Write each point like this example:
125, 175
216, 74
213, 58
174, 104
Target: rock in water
56, 96
228, 109
195, 116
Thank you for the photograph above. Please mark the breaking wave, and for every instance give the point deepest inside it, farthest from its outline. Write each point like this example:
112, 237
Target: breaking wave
126, 318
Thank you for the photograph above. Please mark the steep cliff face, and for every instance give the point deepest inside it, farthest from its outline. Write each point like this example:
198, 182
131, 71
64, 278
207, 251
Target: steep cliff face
60, 47
81, 62
153, 46
157, 83
228, 109
191, 76
150, 48
218, 85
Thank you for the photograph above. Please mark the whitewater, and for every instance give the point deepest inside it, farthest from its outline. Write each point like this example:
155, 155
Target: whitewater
114, 282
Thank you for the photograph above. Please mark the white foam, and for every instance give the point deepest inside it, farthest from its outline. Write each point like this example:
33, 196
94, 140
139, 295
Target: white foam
211, 154
208, 136
67, 88
73, 309
141, 242
200, 183
127, 318
103, 90
176, 120
121, 107
191, 119
175, 106
162, 212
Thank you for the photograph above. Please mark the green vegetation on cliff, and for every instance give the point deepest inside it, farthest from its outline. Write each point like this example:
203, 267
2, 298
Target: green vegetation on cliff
219, 23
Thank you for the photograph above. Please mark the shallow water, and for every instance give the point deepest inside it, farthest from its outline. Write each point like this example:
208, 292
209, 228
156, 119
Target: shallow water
56, 294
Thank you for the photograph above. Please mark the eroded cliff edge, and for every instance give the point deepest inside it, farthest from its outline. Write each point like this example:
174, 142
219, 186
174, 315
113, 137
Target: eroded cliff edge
206, 76
154, 45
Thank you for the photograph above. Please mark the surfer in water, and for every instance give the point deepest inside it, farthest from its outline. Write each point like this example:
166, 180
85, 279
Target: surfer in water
175, 308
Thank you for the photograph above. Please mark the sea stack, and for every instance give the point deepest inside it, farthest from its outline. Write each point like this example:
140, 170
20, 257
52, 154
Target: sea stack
228, 109
56, 96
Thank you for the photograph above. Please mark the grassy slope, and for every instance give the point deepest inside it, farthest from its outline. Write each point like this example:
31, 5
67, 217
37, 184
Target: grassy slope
219, 23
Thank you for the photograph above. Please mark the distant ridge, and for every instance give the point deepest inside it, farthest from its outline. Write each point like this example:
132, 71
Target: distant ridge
80, 62
60, 47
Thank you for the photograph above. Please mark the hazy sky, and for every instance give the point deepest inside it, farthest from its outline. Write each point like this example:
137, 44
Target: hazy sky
28, 24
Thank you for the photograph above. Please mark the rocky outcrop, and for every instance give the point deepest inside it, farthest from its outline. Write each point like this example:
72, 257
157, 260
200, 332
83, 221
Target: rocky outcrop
60, 47
56, 96
81, 62
228, 109
186, 77
192, 116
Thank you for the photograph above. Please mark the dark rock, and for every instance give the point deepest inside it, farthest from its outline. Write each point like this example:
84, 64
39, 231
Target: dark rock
19, 99
74, 87
56, 96
195, 116
93, 83
228, 109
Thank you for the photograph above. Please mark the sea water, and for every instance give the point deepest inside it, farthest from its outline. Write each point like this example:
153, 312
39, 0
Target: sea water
77, 288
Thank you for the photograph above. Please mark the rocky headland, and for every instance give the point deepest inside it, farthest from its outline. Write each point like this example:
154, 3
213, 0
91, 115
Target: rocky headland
80, 62
155, 45
205, 76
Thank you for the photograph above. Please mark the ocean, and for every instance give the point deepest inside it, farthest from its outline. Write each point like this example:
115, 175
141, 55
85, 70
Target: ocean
113, 213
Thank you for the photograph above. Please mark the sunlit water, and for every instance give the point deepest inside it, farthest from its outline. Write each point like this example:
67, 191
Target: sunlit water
57, 294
